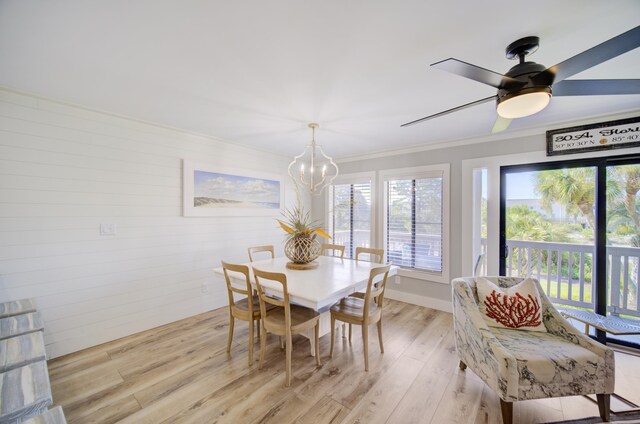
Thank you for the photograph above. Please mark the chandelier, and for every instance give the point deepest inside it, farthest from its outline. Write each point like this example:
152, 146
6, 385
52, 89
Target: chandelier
303, 170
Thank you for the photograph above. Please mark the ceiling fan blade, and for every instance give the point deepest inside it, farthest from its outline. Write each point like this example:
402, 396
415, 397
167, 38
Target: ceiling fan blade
475, 73
596, 87
595, 55
500, 125
446, 112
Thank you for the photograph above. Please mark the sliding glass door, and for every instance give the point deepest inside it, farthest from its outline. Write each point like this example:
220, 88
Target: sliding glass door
575, 226
623, 240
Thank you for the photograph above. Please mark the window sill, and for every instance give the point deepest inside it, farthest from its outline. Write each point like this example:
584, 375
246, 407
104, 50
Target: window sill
424, 275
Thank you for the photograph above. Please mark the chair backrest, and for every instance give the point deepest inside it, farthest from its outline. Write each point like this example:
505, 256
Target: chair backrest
264, 299
376, 290
501, 281
242, 269
257, 249
372, 252
335, 247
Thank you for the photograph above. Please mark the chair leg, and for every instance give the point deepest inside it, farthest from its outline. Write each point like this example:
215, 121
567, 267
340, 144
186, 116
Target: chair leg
333, 329
380, 336
231, 322
507, 412
462, 366
250, 342
604, 406
344, 330
263, 345
317, 336
258, 327
288, 355
365, 341
349, 332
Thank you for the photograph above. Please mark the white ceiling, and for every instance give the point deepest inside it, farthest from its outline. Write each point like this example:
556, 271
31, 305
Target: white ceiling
255, 72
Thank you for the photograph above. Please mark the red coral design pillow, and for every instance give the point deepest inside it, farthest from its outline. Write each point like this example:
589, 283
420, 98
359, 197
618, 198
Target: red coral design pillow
518, 307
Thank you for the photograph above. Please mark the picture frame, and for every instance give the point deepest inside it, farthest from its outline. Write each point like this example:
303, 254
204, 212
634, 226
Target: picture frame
211, 190
618, 134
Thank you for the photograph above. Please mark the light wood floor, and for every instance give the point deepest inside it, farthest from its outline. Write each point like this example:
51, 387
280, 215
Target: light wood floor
181, 373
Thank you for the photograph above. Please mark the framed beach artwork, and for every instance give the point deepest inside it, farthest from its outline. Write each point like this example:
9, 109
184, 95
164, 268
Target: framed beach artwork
211, 190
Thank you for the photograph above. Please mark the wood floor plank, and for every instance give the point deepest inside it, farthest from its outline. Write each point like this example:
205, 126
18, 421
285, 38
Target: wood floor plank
92, 381
422, 398
68, 369
460, 402
530, 412
325, 411
402, 334
108, 414
574, 407
164, 333
181, 373
438, 326
224, 367
379, 402
170, 355
111, 394
489, 409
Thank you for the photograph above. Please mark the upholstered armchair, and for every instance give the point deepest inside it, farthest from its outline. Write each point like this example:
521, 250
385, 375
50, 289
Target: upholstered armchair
521, 365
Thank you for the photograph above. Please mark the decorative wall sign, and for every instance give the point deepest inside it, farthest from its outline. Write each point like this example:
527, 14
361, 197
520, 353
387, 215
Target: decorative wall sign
209, 190
619, 134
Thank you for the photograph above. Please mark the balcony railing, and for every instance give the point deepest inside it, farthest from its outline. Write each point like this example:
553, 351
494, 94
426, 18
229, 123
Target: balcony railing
565, 271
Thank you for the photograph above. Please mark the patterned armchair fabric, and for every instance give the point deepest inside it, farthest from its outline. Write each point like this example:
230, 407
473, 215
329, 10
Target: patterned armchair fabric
520, 365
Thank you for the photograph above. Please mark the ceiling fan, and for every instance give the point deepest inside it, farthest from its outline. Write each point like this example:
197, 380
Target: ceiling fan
527, 87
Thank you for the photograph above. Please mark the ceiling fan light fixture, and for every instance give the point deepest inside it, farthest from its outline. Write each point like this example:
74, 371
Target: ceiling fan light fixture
525, 102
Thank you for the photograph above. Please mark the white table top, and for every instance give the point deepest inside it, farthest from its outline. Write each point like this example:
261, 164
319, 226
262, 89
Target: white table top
317, 288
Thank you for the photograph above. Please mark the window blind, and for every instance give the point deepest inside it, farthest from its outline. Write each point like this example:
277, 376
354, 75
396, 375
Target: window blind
351, 216
414, 223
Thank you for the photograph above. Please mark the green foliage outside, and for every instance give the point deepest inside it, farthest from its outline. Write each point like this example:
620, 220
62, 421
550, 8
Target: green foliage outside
574, 190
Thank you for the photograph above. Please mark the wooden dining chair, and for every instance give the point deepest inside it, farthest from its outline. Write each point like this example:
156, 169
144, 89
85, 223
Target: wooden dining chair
379, 253
257, 249
363, 312
334, 248
284, 319
246, 309
379, 256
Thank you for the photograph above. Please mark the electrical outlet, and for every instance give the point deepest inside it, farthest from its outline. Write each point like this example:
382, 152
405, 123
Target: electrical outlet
204, 288
107, 229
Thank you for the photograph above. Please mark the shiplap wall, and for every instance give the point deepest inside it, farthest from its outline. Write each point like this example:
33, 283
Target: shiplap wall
65, 170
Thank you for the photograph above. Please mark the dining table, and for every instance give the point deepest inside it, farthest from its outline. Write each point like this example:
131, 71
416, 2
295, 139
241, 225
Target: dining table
318, 288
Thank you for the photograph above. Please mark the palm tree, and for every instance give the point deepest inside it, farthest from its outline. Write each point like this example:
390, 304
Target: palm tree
573, 188
628, 177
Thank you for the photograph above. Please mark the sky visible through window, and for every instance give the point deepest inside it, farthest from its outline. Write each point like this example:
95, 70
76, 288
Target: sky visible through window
520, 185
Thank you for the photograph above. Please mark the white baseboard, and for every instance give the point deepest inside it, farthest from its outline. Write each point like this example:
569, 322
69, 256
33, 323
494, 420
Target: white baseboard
416, 299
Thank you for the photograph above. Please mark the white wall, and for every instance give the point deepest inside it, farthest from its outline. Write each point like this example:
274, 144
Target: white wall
64, 170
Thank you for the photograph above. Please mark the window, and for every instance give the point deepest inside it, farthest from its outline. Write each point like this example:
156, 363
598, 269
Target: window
479, 224
350, 215
416, 221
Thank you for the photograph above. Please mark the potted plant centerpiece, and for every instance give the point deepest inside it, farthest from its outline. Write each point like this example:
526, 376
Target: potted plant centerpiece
302, 247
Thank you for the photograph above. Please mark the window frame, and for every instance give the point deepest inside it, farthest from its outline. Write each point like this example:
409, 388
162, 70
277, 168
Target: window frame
418, 172
353, 178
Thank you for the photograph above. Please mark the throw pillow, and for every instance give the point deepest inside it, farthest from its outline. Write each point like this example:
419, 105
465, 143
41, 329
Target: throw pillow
517, 307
